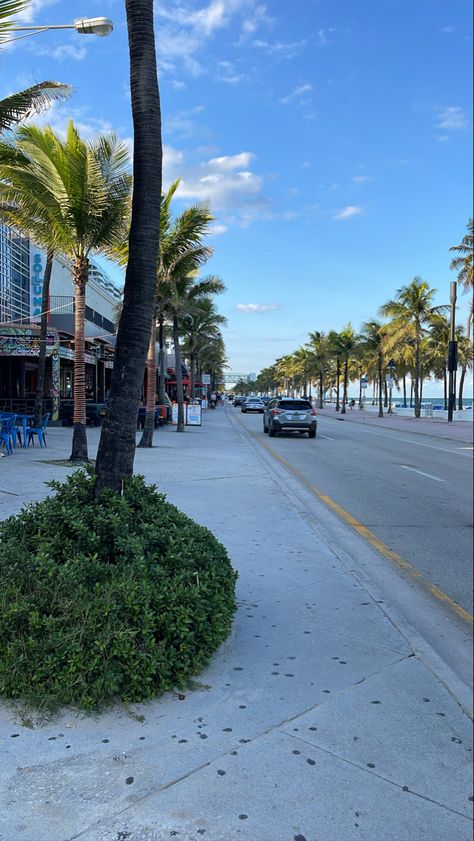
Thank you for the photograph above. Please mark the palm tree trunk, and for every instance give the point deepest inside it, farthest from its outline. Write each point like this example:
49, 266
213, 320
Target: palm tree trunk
193, 374
421, 389
179, 375
344, 393
417, 379
411, 392
380, 363
321, 390
338, 376
161, 342
404, 391
38, 410
149, 425
80, 272
117, 442
461, 386
445, 389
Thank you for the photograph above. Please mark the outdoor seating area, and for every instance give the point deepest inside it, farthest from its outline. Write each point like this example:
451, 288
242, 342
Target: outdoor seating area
17, 431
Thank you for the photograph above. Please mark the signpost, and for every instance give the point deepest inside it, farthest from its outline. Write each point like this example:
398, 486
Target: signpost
452, 352
193, 414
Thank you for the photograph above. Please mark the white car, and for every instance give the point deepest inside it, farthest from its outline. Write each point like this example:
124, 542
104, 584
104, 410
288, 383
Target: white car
253, 404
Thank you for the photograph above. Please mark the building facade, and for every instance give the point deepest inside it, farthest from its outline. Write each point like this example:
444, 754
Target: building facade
22, 266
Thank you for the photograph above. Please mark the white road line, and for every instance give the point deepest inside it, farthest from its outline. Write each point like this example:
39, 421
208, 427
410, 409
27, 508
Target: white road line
465, 448
428, 475
365, 428
326, 437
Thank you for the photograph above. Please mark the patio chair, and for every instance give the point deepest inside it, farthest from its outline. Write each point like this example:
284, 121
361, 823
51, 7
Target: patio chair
40, 431
7, 433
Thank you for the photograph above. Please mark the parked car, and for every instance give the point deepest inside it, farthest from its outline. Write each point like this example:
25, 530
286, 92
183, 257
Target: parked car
237, 401
287, 413
253, 404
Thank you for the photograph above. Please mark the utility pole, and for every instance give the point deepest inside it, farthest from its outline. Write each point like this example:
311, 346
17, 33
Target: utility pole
452, 351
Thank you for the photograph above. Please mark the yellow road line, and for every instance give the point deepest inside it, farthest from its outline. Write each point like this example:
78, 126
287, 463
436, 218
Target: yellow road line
368, 535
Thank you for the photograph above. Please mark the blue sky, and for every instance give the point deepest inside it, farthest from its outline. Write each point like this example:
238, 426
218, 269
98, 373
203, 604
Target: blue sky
333, 139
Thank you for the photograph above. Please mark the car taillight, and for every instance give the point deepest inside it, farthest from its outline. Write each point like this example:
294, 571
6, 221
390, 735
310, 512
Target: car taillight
277, 411
314, 412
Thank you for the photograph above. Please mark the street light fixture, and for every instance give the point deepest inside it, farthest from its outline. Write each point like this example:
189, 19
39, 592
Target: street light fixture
391, 368
100, 26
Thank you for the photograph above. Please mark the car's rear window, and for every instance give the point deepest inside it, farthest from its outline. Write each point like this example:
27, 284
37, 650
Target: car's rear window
294, 404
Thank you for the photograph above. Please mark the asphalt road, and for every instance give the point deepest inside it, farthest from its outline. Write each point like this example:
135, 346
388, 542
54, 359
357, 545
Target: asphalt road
413, 491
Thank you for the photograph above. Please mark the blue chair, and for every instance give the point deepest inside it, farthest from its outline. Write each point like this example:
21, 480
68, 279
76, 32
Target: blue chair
7, 432
40, 431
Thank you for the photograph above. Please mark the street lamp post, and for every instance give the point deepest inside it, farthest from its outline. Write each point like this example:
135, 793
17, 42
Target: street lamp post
452, 351
391, 367
100, 26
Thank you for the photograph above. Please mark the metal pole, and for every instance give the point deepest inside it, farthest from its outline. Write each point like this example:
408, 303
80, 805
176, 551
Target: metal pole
452, 351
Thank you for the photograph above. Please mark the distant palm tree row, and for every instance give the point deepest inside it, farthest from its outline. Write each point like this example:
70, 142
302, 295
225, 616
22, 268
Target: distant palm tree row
412, 333
73, 197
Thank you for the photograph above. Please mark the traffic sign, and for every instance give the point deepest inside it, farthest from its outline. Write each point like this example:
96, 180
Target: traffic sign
206, 379
390, 382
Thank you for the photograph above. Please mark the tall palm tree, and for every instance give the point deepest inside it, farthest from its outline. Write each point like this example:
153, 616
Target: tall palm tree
117, 441
79, 206
463, 264
346, 344
371, 344
18, 106
465, 359
411, 316
184, 294
321, 360
200, 328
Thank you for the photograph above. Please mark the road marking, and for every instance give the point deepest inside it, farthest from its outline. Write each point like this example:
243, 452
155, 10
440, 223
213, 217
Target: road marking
366, 534
407, 440
326, 437
428, 475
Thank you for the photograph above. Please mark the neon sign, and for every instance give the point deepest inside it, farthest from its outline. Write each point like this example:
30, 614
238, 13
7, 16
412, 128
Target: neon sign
37, 277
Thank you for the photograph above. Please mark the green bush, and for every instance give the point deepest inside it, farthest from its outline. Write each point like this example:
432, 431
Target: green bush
123, 597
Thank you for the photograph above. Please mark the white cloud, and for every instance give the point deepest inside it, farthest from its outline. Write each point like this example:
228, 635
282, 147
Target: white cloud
226, 182
300, 93
322, 37
183, 33
257, 307
447, 30
451, 118
230, 162
34, 7
279, 49
70, 51
361, 179
347, 212
217, 230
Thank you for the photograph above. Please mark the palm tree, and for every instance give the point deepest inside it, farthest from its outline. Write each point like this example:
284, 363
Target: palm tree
438, 346
463, 264
412, 314
321, 360
18, 106
74, 196
117, 441
346, 345
372, 346
184, 294
465, 359
200, 328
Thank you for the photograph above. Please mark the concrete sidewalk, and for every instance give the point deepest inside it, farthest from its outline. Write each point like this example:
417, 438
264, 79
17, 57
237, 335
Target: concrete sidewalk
438, 428
314, 722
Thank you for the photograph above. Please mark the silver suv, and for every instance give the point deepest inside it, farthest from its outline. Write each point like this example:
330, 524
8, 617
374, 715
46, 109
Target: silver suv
285, 413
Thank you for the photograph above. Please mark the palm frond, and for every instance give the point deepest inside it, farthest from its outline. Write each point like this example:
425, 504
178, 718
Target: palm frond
19, 106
